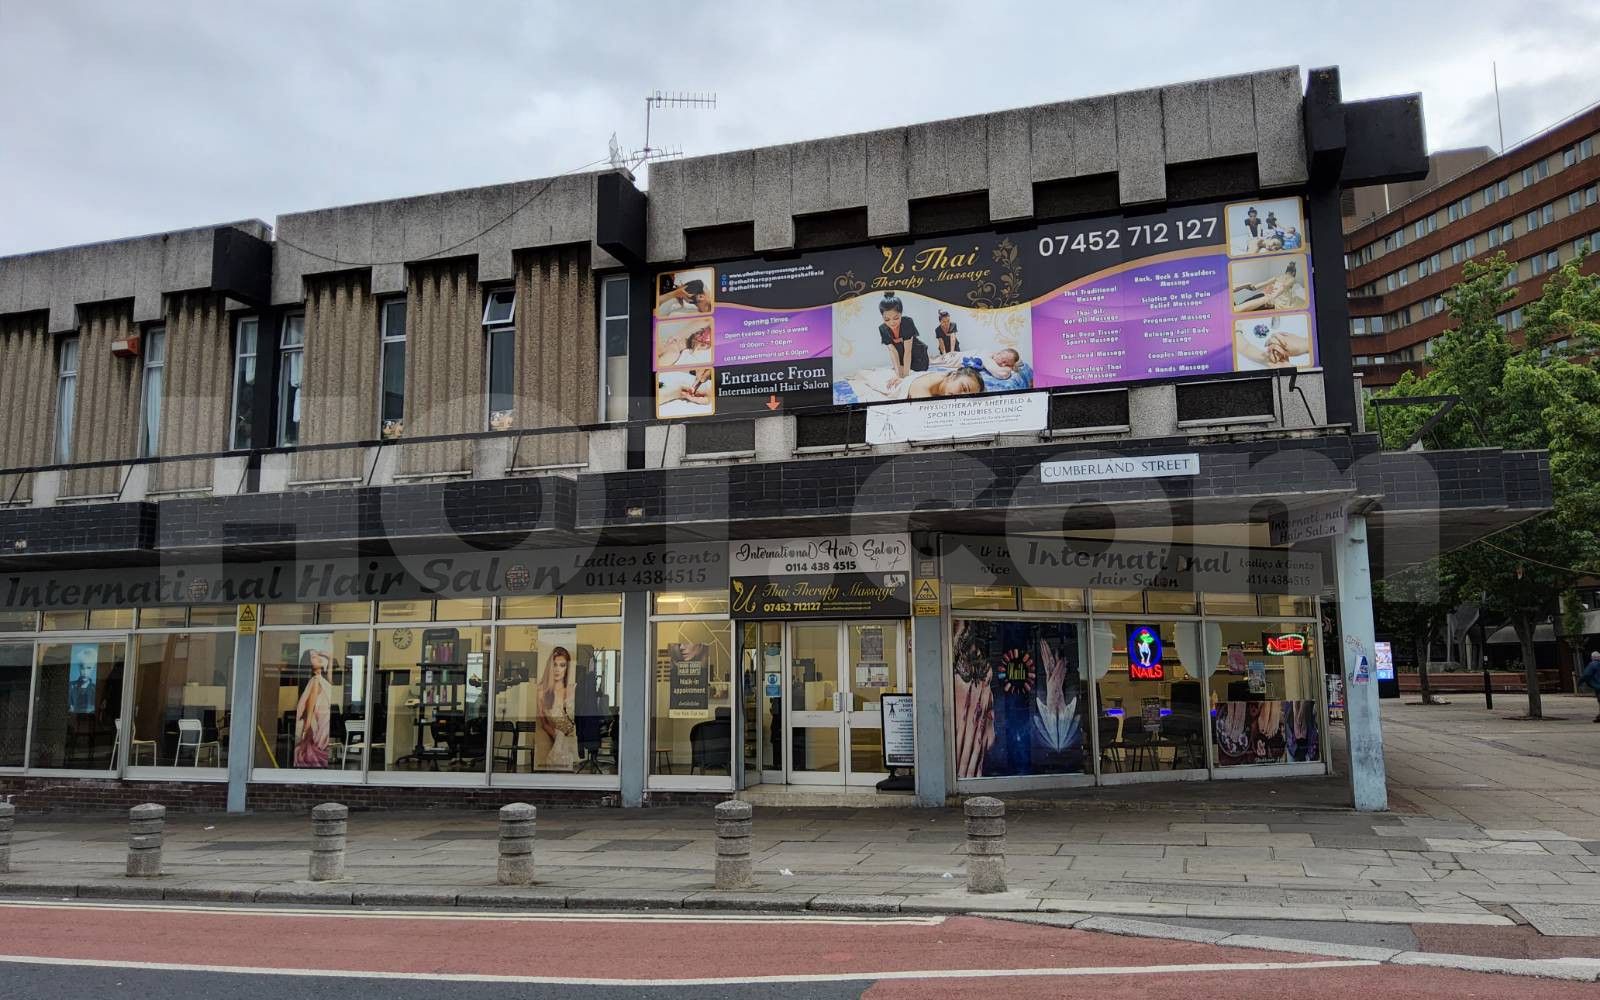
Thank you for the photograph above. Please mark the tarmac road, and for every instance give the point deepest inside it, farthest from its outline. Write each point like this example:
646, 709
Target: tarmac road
136, 951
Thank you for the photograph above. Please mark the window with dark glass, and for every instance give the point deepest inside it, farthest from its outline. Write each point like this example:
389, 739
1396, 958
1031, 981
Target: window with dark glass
500, 350
391, 418
614, 348
242, 422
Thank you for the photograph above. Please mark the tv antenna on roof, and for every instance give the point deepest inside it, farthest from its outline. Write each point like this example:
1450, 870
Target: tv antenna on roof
668, 99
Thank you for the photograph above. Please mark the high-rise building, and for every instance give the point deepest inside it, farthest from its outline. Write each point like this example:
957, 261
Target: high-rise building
1538, 203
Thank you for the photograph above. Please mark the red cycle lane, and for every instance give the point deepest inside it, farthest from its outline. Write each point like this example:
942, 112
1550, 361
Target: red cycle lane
660, 951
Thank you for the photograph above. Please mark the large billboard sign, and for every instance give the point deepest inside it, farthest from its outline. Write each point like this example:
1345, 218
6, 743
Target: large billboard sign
1194, 291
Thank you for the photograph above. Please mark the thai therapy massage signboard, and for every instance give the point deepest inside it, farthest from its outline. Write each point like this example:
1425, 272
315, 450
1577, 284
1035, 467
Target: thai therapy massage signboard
1193, 291
1027, 561
828, 576
506, 572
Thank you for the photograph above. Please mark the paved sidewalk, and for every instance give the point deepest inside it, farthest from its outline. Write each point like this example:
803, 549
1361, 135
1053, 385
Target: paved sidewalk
1230, 855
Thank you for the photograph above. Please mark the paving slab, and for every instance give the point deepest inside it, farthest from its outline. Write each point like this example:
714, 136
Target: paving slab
1562, 919
786, 902
964, 902
1541, 968
626, 899
849, 903
403, 896
211, 892
1329, 949
324, 893
513, 898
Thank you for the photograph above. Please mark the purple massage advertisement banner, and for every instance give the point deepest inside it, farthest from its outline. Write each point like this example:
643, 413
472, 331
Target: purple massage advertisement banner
1189, 292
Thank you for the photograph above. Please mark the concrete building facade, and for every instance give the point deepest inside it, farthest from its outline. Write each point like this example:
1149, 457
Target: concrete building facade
533, 491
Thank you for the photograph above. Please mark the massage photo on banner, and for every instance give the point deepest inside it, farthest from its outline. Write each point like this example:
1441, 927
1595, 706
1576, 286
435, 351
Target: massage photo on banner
1280, 341
690, 392
1020, 700
685, 343
686, 293
901, 345
1272, 225
1269, 284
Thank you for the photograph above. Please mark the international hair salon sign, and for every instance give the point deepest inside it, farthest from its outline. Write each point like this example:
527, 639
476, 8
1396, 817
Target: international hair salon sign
821, 576
504, 573
1025, 561
1190, 292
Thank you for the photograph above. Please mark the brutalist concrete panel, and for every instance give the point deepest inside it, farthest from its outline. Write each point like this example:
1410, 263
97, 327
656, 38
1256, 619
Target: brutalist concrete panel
495, 248
828, 174
809, 186
10, 288
888, 211
1186, 113
1280, 132
947, 157
388, 231
353, 230
288, 264
1010, 166
1094, 136
664, 213
1233, 115
774, 199
422, 232
460, 221
1141, 156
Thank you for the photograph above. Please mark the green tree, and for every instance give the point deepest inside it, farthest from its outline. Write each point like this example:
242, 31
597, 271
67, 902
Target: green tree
1545, 395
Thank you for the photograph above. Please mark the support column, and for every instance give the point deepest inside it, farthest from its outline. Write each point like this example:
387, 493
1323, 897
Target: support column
637, 685
930, 678
1353, 580
242, 734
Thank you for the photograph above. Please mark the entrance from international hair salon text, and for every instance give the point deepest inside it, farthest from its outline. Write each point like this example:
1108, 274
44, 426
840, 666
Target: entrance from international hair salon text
812, 699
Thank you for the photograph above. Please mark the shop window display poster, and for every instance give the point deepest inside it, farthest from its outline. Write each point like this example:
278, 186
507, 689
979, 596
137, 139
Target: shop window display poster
82, 680
1267, 732
1019, 699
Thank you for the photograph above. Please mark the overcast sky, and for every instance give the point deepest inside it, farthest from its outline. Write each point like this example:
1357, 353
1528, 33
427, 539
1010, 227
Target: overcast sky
122, 118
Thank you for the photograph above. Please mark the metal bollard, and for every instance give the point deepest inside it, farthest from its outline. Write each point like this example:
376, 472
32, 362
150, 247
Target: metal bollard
516, 844
329, 822
8, 814
735, 870
986, 844
145, 824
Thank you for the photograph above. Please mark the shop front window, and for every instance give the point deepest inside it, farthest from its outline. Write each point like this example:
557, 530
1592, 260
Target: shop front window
1151, 682
310, 689
430, 699
77, 705
16, 675
1020, 698
181, 685
1264, 694
557, 699
691, 722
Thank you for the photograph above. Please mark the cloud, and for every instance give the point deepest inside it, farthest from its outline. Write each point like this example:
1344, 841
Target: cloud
117, 119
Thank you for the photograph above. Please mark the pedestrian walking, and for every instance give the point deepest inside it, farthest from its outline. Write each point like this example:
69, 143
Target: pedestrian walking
1591, 677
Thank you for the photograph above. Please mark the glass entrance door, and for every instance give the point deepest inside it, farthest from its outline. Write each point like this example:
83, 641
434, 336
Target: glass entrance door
816, 706
837, 674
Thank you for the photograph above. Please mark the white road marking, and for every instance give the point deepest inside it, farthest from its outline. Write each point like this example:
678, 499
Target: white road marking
562, 916
830, 977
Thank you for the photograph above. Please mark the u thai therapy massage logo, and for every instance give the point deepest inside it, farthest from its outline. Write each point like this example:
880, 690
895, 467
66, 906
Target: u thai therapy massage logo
1144, 654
